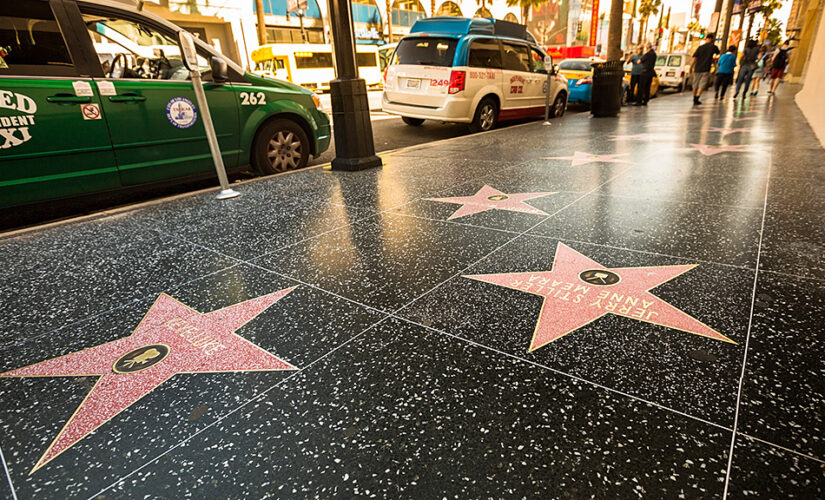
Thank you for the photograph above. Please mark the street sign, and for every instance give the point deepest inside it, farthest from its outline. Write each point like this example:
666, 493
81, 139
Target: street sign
188, 51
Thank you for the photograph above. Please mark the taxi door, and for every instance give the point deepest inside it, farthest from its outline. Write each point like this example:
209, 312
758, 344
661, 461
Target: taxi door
155, 125
540, 86
518, 81
53, 137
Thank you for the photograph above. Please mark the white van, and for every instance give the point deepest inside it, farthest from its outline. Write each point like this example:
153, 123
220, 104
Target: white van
673, 71
476, 71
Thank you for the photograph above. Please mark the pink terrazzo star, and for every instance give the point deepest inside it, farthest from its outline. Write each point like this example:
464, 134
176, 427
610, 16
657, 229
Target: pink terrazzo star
710, 150
488, 198
172, 338
727, 131
580, 158
578, 291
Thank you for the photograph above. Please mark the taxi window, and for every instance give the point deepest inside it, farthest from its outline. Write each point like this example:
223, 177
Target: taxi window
128, 49
31, 42
538, 61
428, 51
516, 57
575, 65
675, 61
484, 53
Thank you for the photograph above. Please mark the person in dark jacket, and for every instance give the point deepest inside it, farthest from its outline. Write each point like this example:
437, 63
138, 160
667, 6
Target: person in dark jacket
648, 71
747, 65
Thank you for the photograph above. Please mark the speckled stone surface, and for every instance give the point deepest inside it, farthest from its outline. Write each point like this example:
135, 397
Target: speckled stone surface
394, 349
426, 416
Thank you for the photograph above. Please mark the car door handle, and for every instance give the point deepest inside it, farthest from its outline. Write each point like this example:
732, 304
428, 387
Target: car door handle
127, 98
68, 99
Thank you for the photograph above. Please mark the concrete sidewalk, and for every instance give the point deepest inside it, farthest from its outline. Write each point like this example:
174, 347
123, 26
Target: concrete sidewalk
615, 308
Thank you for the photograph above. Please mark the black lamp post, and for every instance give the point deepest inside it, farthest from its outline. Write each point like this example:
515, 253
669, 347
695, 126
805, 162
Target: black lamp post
354, 146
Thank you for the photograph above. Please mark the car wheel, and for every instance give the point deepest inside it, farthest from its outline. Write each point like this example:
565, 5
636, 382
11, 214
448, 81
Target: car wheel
486, 116
413, 122
559, 106
280, 145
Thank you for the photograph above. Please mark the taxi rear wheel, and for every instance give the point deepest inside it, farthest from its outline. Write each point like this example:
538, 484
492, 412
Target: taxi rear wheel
413, 122
486, 116
280, 145
559, 106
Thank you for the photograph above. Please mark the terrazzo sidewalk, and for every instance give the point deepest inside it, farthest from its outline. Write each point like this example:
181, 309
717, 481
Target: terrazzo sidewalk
609, 308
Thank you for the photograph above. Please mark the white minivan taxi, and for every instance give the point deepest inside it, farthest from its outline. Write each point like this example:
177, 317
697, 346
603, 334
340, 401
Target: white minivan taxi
477, 71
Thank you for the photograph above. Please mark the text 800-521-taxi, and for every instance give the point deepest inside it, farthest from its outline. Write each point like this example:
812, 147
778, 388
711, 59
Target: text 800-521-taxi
94, 96
475, 71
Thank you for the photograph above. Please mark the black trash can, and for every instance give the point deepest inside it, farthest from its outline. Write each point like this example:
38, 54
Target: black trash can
606, 98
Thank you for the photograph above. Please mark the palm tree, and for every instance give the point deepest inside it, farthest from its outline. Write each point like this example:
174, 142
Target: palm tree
614, 31
525, 6
647, 8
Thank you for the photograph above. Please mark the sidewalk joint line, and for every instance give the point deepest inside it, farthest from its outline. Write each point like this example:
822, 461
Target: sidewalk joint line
8, 475
747, 341
565, 374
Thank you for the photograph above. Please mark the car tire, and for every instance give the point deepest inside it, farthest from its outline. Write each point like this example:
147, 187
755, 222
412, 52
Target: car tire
486, 116
559, 106
280, 145
412, 122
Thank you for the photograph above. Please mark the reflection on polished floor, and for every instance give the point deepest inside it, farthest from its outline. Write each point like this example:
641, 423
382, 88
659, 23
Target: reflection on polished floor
610, 308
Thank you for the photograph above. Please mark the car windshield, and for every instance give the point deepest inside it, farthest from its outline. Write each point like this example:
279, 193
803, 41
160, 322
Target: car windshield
675, 61
425, 51
575, 65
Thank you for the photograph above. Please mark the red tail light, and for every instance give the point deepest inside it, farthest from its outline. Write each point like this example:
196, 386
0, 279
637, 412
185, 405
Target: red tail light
683, 73
457, 79
385, 74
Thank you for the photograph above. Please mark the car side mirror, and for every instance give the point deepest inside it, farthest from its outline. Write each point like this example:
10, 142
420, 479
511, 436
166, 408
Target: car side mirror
555, 68
220, 73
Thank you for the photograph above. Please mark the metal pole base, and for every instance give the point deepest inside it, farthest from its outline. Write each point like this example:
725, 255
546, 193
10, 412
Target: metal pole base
225, 194
354, 146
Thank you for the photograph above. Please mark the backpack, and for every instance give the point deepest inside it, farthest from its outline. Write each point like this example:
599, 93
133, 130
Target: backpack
781, 59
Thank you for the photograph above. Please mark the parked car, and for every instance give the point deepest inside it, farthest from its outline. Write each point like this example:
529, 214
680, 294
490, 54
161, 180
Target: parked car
94, 97
579, 75
673, 71
476, 71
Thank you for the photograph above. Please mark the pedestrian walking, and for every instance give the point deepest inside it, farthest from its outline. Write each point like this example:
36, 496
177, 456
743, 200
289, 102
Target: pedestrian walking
747, 66
778, 63
648, 62
724, 72
700, 67
635, 73
761, 61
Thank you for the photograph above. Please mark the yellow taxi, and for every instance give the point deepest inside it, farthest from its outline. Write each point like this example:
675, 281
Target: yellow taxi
654, 85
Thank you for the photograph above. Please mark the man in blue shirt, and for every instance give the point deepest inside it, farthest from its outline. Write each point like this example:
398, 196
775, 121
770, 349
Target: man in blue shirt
724, 71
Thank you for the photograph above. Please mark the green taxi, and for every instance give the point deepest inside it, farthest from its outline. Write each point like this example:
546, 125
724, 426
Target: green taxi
94, 97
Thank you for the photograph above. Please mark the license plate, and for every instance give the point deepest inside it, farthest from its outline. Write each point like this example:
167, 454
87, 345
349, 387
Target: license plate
671, 73
413, 83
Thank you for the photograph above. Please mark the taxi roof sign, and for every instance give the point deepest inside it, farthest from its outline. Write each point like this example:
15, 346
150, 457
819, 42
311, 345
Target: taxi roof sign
466, 26
454, 25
